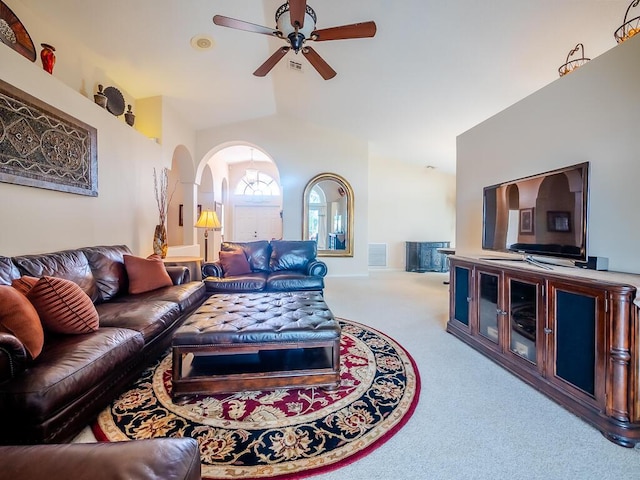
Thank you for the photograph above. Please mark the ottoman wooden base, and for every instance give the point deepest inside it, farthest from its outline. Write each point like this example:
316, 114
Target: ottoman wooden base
240, 342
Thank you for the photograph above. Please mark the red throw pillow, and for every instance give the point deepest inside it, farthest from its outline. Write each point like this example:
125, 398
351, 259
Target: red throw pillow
146, 274
234, 263
24, 284
19, 318
63, 307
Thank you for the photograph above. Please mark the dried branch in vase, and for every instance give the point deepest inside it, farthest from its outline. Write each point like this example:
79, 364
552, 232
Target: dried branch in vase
160, 184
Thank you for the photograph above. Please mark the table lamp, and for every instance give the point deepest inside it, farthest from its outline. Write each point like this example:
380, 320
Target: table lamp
208, 220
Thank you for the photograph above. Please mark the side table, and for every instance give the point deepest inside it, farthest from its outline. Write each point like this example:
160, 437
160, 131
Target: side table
194, 264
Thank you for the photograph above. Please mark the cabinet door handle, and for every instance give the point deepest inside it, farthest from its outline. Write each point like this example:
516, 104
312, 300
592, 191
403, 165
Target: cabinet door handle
547, 330
501, 312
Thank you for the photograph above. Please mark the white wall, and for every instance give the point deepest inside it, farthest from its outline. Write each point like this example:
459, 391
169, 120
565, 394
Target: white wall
301, 151
588, 115
409, 202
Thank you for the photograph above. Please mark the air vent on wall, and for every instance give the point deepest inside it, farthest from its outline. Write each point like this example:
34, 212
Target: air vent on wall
297, 66
377, 254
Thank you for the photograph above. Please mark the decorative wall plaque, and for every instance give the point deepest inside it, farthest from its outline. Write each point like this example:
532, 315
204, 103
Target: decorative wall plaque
41, 146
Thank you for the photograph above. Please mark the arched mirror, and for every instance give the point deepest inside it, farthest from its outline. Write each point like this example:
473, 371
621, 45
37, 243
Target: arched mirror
328, 215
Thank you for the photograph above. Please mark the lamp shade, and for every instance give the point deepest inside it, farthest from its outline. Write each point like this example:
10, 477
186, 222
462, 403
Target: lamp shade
208, 219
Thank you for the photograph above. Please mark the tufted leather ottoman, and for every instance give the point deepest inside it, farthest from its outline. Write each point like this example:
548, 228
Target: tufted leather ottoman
257, 341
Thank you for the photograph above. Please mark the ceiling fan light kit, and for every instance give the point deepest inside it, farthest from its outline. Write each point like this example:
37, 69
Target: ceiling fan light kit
296, 25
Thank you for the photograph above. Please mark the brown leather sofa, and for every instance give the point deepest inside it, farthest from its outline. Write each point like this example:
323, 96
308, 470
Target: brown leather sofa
276, 266
51, 398
163, 458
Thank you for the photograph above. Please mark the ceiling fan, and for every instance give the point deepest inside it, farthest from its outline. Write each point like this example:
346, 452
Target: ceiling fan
295, 24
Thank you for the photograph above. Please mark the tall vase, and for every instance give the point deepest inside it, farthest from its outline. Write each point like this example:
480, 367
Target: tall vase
160, 245
48, 57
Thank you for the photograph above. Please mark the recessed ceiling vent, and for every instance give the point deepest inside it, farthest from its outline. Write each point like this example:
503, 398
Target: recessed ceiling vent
296, 66
202, 42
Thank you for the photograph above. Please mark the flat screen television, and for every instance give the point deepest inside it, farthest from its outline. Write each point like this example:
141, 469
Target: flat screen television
544, 214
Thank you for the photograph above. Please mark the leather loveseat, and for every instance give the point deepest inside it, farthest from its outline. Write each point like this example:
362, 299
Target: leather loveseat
50, 398
262, 266
161, 458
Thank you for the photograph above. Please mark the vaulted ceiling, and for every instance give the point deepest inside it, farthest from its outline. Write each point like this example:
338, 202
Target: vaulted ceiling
434, 69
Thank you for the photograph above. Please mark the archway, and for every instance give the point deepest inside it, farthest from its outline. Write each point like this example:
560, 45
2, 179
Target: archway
261, 214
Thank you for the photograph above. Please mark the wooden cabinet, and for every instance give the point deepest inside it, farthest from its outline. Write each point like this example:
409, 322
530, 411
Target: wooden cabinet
571, 335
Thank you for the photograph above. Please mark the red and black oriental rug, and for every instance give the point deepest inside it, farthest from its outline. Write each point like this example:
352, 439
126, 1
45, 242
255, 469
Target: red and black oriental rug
279, 433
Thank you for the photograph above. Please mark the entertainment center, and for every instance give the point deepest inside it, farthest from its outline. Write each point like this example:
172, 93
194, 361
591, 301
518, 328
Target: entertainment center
570, 332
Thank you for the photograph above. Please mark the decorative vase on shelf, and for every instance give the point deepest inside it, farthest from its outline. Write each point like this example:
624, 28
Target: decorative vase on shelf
160, 245
129, 117
100, 98
48, 57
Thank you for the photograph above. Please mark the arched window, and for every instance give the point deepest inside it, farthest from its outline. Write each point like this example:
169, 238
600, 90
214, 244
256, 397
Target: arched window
264, 185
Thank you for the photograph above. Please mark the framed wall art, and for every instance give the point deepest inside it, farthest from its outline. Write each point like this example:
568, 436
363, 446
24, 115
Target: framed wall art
526, 221
43, 147
181, 215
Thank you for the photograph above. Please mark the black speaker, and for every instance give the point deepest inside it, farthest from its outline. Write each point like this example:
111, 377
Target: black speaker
594, 263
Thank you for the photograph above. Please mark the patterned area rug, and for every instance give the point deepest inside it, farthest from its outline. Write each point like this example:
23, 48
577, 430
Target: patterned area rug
279, 433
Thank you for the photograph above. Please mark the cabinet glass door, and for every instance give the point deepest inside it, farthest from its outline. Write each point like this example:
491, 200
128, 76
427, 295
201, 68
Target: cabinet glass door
488, 310
461, 278
523, 319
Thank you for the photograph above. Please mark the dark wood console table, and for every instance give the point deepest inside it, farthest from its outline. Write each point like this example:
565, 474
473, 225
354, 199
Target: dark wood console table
571, 334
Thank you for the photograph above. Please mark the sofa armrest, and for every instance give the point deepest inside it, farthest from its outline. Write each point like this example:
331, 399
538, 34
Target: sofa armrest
317, 268
179, 274
13, 356
212, 269
160, 458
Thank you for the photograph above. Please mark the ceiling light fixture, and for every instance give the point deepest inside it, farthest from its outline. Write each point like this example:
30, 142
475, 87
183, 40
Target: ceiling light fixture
571, 65
251, 173
628, 28
296, 35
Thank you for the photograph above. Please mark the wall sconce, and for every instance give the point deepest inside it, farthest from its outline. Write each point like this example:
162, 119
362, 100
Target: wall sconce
629, 27
571, 65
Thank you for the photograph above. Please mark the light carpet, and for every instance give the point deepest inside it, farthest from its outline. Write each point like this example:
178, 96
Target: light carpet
279, 433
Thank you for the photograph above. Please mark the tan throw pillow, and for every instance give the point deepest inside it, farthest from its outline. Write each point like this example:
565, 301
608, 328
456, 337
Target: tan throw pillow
234, 263
24, 284
63, 306
19, 318
146, 274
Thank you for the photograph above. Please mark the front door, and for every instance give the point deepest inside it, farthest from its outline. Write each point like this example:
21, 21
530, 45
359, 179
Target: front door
257, 223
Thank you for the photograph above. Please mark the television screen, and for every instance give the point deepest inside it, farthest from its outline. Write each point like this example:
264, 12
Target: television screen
543, 214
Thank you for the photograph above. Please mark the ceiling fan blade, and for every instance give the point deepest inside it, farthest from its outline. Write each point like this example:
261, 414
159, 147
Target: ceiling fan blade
318, 63
344, 32
271, 62
297, 10
242, 25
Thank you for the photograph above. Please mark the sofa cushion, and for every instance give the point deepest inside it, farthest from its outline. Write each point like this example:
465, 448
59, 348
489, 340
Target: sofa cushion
251, 282
63, 307
286, 281
70, 264
292, 255
234, 263
146, 274
19, 318
68, 368
186, 295
258, 253
107, 265
24, 284
149, 317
